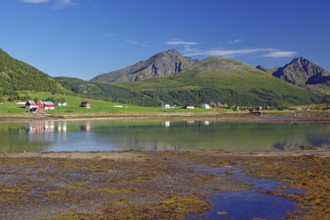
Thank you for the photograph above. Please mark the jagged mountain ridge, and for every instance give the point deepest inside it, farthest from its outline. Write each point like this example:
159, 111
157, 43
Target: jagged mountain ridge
302, 72
161, 64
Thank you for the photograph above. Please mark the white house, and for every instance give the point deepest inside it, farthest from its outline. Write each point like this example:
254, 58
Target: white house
206, 106
49, 105
166, 106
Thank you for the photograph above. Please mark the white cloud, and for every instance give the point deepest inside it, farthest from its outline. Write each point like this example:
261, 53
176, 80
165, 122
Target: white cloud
180, 42
57, 3
35, 1
63, 3
229, 53
264, 52
236, 41
280, 54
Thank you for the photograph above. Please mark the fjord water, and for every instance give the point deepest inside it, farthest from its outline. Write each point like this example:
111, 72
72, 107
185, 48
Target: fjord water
103, 135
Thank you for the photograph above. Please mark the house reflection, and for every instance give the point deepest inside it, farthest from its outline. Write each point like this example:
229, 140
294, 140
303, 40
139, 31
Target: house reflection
86, 127
206, 123
166, 124
38, 127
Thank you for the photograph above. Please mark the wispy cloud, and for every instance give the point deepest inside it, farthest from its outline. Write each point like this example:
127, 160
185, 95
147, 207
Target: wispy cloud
63, 3
35, 1
57, 4
181, 42
142, 44
236, 41
109, 34
265, 52
280, 54
229, 53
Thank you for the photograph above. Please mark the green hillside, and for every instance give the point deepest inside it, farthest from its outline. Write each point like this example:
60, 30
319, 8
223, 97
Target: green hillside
209, 80
16, 75
228, 81
106, 91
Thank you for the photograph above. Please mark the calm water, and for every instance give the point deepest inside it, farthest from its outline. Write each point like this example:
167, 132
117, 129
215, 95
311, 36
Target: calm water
250, 204
100, 135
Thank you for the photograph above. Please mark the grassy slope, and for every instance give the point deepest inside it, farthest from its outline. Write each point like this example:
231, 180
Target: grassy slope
249, 85
17, 75
212, 79
97, 107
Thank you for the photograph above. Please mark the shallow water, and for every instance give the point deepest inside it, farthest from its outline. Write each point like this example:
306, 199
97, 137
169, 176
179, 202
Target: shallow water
103, 135
251, 204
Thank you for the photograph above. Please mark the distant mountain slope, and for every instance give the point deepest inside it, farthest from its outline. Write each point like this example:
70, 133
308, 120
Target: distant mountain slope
180, 80
303, 73
105, 91
161, 64
16, 75
224, 80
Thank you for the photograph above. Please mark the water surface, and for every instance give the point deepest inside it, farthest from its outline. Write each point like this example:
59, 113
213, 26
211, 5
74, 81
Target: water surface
104, 135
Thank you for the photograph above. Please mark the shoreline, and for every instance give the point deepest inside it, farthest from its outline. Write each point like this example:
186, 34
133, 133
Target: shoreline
141, 184
272, 117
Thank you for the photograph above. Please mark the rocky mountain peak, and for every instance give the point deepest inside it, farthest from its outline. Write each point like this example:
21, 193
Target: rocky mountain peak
161, 64
302, 72
303, 66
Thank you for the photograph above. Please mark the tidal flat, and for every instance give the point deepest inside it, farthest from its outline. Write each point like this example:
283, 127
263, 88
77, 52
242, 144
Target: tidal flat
156, 184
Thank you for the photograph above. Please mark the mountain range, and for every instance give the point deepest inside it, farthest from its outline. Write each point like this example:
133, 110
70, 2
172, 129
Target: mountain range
303, 73
169, 77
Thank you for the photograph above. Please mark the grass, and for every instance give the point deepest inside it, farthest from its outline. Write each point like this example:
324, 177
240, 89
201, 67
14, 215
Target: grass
234, 88
97, 107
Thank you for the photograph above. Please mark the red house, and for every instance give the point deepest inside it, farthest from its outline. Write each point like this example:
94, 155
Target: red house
41, 105
31, 104
48, 105
85, 105
189, 106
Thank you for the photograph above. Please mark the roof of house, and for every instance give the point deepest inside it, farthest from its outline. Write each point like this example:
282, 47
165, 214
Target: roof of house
48, 103
30, 102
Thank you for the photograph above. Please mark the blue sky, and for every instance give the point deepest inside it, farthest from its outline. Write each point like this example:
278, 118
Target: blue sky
84, 38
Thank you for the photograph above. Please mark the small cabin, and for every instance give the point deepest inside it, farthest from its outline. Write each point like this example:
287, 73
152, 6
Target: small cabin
85, 105
189, 106
48, 105
166, 106
206, 106
31, 104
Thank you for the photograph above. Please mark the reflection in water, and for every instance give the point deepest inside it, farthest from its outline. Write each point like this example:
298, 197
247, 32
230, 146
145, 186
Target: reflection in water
38, 127
205, 123
158, 135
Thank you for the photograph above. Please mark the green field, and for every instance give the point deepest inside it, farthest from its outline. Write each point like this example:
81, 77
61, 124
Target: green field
97, 107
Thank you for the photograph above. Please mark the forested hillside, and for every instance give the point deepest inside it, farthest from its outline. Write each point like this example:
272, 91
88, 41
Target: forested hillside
16, 75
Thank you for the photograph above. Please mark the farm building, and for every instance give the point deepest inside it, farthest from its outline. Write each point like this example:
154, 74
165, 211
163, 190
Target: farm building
85, 105
41, 105
49, 105
166, 106
206, 106
189, 106
31, 104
